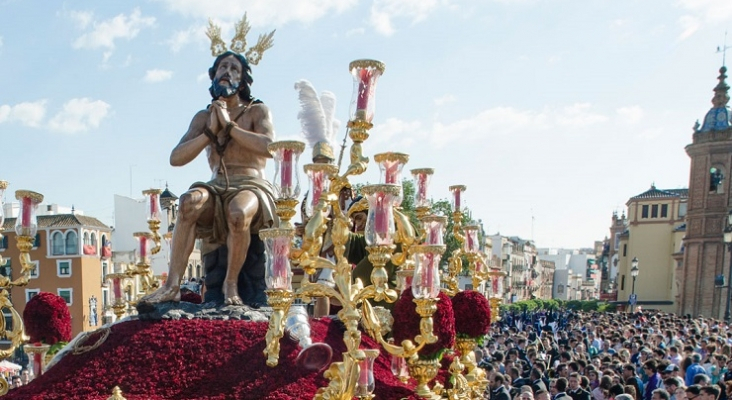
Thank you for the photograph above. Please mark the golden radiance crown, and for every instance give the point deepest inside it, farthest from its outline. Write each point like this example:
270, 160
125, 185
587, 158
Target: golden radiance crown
239, 42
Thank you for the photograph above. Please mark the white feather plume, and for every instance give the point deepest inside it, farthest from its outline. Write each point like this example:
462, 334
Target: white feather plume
311, 115
328, 101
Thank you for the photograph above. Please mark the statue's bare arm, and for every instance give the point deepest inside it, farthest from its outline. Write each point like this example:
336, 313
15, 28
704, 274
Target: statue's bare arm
193, 142
262, 135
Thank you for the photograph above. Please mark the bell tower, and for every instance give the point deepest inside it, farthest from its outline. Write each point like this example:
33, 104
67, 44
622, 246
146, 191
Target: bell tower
705, 255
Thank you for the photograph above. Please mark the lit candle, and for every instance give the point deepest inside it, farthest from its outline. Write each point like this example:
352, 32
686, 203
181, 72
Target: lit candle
143, 247
317, 187
364, 89
286, 170
381, 215
391, 172
117, 288
27, 207
421, 187
456, 194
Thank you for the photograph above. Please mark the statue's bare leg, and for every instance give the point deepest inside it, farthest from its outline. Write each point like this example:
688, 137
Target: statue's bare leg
239, 215
194, 205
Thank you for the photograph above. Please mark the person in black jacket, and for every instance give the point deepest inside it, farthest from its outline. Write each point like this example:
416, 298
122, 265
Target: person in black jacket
575, 391
498, 389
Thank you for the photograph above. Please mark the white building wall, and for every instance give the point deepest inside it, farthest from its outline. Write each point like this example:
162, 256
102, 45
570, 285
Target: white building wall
130, 216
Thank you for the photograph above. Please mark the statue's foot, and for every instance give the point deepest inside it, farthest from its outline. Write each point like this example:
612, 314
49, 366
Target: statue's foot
161, 295
231, 295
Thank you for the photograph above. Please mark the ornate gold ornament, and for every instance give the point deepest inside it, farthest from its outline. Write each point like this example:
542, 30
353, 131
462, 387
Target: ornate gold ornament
239, 42
116, 394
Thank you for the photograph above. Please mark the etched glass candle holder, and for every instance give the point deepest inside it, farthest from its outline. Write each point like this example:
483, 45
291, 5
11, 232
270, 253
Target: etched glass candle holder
471, 245
145, 244
319, 176
380, 227
457, 197
26, 224
434, 229
152, 198
422, 178
390, 166
365, 75
366, 382
286, 156
278, 274
426, 281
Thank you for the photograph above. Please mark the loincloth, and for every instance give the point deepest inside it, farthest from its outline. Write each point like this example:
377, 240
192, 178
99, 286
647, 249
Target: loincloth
266, 217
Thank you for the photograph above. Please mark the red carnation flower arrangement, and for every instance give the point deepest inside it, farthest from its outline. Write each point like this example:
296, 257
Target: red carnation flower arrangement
472, 315
406, 324
47, 320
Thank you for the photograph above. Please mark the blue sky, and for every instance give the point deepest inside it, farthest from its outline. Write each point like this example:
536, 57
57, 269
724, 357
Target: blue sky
560, 110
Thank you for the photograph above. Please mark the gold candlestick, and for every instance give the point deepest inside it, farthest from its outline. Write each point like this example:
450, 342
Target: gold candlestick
280, 301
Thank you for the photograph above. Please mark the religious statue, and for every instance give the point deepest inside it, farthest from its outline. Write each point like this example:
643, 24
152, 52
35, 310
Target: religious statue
234, 130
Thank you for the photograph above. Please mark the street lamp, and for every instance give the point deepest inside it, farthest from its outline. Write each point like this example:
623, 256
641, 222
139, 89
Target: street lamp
728, 241
634, 273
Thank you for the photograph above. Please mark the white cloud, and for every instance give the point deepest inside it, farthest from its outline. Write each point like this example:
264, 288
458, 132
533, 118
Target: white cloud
82, 18
182, 38
578, 115
158, 75
28, 114
498, 120
260, 12
79, 115
689, 25
104, 33
356, 31
394, 131
448, 98
630, 115
384, 11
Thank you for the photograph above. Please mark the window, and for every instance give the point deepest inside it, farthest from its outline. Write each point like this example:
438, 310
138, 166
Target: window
67, 294
72, 243
664, 210
35, 270
654, 211
63, 268
37, 242
4, 243
93, 239
682, 210
57, 244
29, 293
625, 250
105, 269
622, 282
644, 212
560, 289
7, 269
87, 242
105, 298
716, 176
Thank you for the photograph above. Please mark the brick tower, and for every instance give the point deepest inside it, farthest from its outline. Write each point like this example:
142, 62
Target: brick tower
705, 255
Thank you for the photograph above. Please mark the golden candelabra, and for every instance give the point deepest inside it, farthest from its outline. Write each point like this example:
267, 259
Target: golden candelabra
25, 228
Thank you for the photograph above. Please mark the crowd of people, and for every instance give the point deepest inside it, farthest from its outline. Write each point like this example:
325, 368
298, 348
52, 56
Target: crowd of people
573, 355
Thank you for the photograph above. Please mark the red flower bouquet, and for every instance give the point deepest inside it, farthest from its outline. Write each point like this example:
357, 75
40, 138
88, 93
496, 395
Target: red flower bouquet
47, 319
406, 324
472, 315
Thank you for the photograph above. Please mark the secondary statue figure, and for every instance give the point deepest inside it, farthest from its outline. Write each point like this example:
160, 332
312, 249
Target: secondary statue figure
235, 131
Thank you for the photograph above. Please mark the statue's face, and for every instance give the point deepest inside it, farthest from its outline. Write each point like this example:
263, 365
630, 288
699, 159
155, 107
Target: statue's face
228, 77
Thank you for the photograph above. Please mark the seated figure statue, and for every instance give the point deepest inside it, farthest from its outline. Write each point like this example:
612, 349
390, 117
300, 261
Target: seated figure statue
235, 131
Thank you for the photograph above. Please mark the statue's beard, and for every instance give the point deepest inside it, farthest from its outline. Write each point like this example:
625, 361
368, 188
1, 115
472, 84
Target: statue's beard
217, 90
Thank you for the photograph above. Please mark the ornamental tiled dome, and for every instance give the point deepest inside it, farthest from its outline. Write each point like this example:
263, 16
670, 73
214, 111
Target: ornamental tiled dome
718, 117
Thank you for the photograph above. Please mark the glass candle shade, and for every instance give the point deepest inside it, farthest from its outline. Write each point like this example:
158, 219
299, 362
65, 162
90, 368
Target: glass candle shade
380, 227
277, 273
457, 197
366, 383
390, 166
26, 224
365, 75
497, 283
404, 279
286, 156
152, 197
426, 281
480, 267
434, 229
471, 243
489, 287
422, 178
319, 176
116, 281
145, 243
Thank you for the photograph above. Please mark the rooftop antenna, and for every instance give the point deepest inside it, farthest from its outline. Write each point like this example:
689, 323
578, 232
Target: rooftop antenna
723, 49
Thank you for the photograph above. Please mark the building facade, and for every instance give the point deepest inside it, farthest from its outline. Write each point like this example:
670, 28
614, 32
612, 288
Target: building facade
704, 254
654, 234
70, 253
